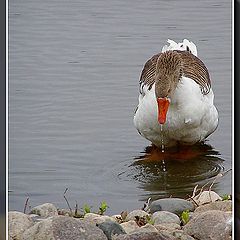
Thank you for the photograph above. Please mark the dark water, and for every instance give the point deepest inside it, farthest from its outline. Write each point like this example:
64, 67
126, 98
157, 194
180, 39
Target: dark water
74, 68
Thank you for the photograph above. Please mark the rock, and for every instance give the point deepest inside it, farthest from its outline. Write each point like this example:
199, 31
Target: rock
118, 218
174, 205
111, 228
206, 197
167, 226
176, 235
94, 218
144, 236
219, 205
17, 223
61, 228
91, 216
165, 217
222, 231
210, 225
129, 226
45, 210
179, 234
146, 228
134, 213
65, 212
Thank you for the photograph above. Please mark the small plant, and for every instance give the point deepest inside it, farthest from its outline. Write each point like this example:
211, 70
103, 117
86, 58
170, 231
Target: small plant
86, 209
185, 217
149, 220
226, 197
103, 207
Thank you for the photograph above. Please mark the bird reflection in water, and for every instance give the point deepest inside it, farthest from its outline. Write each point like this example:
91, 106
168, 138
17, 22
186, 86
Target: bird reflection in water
176, 171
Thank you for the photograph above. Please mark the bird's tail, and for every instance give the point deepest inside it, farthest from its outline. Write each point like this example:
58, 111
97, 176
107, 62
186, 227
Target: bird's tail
185, 45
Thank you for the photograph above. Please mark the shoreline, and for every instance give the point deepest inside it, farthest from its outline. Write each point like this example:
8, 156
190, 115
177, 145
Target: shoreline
204, 216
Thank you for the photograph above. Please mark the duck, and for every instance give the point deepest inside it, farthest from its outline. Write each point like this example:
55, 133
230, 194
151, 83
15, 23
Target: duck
176, 100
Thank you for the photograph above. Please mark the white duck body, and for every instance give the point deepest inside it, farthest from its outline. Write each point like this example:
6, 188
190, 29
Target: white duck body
191, 116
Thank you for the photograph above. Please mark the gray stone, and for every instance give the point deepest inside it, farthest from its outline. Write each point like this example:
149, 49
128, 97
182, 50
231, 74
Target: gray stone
219, 205
210, 225
129, 226
17, 223
176, 235
222, 231
111, 228
144, 236
45, 210
134, 213
97, 219
179, 234
63, 228
146, 228
174, 205
165, 217
167, 226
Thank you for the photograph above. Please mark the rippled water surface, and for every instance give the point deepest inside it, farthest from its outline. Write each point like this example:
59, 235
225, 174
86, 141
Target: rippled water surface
74, 68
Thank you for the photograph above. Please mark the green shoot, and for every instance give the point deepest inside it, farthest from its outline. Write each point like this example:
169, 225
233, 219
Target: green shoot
103, 207
86, 209
226, 197
185, 217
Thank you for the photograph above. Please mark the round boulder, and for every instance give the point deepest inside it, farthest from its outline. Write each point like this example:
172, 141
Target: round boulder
62, 228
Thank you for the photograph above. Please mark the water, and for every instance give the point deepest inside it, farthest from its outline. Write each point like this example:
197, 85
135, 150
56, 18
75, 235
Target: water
74, 68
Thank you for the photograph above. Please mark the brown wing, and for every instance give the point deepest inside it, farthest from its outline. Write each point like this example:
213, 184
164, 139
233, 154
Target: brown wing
148, 73
193, 68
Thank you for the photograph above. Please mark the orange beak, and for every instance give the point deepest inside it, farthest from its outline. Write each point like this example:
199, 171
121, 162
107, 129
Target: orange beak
163, 104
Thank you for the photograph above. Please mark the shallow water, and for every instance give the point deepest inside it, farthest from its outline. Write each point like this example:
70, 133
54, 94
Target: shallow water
74, 68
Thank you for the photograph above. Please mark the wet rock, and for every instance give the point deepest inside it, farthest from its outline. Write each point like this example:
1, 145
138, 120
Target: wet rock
167, 226
174, 205
165, 217
210, 225
45, 210
61, 228
206, 197
139, 213
129, 226
144, 236
219, 205
111, 228
17, 223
